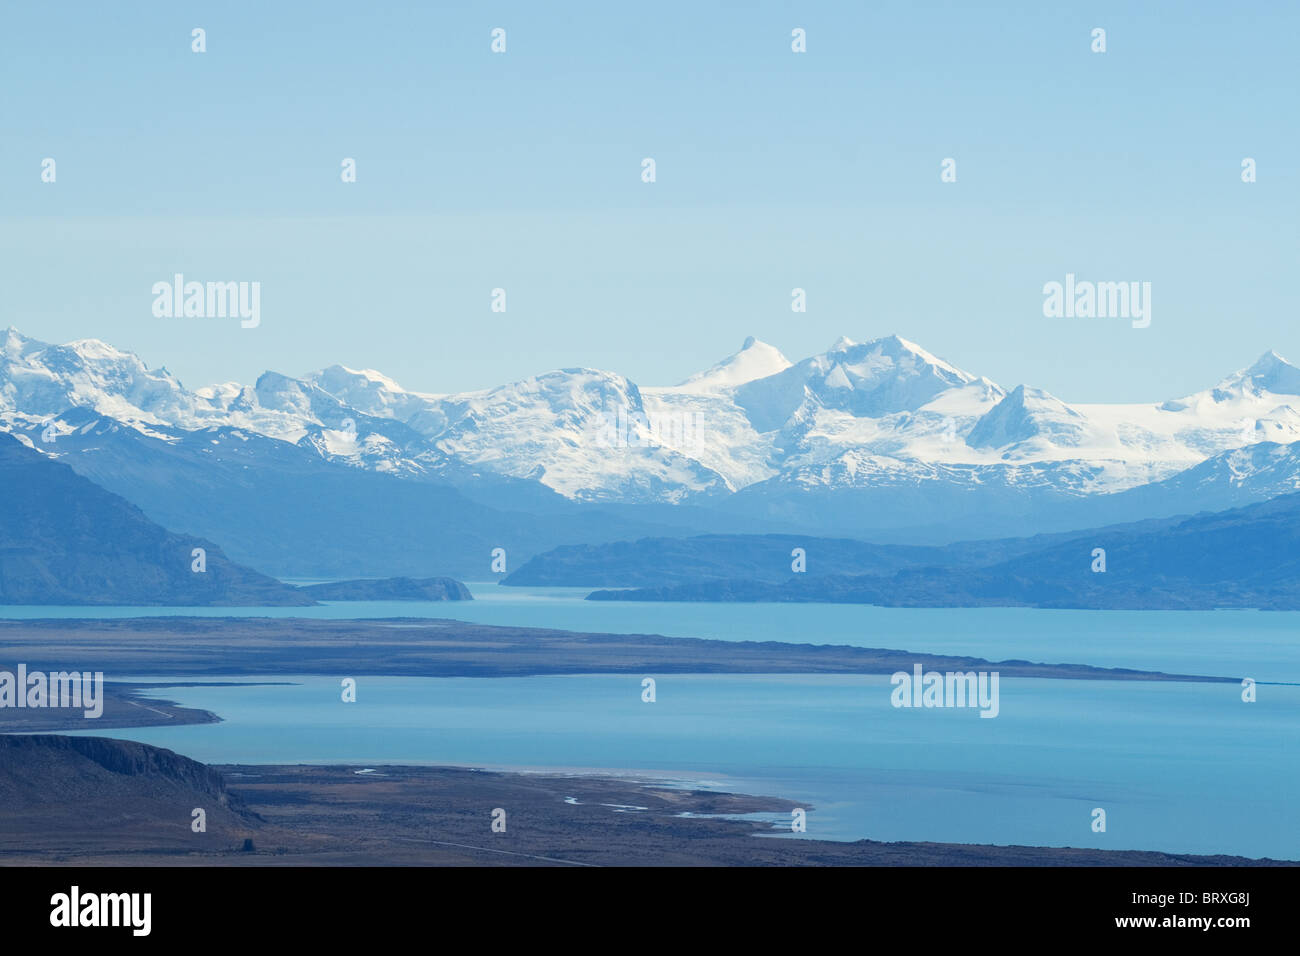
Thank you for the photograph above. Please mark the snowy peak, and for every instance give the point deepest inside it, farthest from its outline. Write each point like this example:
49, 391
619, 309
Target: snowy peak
1262, 396
300, 401
284, 394
94, 350
40, 379
369, 391
857, 415
867, 380
14, 345
755, 360
584, 433
337, 378
1025, 415
1271, 373
907, 372
896, 345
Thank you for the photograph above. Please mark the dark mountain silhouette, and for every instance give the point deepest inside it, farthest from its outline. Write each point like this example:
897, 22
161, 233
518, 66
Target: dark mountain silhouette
65, 540
1243, 558
283, 508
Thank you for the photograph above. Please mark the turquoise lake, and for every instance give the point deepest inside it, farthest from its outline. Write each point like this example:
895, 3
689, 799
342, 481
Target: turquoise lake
1264, 645
1178, 767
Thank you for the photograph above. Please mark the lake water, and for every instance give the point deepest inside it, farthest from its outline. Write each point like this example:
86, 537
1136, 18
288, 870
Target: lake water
1264, 645
1176, 767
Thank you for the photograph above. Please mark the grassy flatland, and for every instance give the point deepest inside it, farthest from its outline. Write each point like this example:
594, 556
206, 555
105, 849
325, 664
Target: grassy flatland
89, 801
228, 646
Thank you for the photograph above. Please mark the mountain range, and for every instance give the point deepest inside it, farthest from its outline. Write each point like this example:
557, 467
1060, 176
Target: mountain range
344, 473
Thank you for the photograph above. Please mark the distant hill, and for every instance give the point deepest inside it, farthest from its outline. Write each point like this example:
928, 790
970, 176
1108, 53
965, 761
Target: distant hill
652, 562
661, 562
285, 509
65, 540
1244, 558
390, 589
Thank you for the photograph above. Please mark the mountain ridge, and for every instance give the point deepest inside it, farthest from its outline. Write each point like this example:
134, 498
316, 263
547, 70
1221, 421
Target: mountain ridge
878, 438
1241, 558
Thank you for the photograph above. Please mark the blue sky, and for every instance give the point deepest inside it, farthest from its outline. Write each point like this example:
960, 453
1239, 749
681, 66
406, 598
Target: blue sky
775, 170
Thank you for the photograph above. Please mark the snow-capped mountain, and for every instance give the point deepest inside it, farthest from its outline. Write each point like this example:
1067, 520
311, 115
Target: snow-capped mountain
584, 433
1030, 421
41, 379
859, 418
755, 360
866, 381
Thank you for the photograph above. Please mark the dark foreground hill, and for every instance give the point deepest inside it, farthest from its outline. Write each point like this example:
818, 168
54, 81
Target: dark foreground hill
65, 796
91, 801
65, 540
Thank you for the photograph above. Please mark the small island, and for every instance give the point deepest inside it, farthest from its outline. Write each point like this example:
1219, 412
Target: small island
390, 589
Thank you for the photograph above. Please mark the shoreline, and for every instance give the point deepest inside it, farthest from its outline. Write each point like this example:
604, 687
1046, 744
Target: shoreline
328, 814
136, 813
125, 707
625, 814
698, 796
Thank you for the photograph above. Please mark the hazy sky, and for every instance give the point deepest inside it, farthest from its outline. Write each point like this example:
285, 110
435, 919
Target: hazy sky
775, 170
